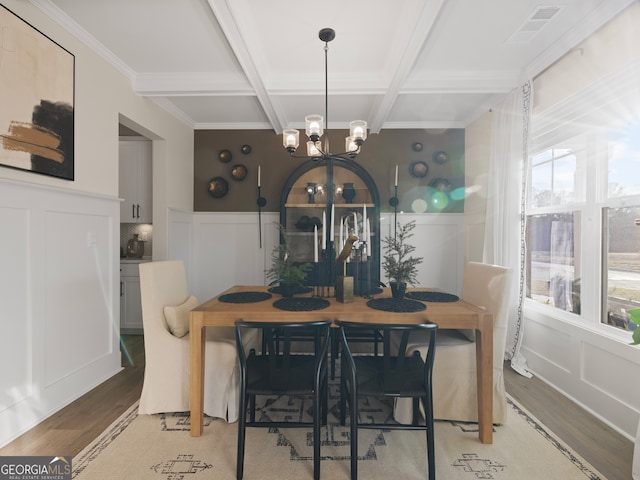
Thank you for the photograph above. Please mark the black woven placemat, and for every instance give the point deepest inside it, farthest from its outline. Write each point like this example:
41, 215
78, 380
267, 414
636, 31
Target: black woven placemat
301, 304
433, 296
372, 291
244, 297
393, 305
297, 291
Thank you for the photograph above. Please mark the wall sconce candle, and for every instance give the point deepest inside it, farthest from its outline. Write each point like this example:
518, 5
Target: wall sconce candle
393, 201
261, 202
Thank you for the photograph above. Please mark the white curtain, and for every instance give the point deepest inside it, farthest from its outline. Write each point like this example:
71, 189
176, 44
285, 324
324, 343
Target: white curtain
504, 229
561, 283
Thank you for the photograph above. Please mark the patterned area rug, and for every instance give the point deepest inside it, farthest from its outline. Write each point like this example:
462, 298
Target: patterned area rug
159, 447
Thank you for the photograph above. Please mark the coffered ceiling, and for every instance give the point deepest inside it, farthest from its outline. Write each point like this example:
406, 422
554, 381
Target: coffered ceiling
247, 64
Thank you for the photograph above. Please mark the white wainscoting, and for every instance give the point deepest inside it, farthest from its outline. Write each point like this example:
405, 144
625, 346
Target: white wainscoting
60, 300
439, 240
222, 249
596, 371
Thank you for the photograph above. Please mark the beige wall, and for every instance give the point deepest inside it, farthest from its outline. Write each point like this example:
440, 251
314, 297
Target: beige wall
478, 149
102, 95
380, 154
608, 50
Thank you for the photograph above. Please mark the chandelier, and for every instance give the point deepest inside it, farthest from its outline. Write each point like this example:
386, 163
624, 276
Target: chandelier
314, 127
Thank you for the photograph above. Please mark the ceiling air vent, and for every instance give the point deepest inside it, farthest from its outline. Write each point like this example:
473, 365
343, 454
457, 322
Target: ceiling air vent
535, 22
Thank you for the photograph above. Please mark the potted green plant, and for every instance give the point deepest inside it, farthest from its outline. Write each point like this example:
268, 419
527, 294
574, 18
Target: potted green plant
634, 316
399, 265
284, 271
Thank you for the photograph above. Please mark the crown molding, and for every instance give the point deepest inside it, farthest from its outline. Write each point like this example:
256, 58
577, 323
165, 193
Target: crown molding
85, 37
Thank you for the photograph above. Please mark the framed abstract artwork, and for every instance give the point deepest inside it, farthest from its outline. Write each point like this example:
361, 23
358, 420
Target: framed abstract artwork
37, 100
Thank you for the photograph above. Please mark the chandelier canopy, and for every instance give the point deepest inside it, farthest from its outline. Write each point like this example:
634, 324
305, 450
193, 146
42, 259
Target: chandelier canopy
314, 127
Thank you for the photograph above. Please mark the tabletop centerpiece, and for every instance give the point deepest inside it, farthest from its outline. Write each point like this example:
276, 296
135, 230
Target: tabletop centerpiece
344, 284
288, 274
398, 263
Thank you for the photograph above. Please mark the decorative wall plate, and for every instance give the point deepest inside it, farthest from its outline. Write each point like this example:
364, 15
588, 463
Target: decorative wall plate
246, 149
419, 169
218, 187
441, 184
238, 172
417, 147
225, 156
440, 157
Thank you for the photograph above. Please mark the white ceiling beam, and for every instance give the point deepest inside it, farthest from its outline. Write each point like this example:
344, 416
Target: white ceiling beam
421, 31
190, 84
230, 27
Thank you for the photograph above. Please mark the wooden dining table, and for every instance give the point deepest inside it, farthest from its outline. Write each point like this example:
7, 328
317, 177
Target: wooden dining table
448, 315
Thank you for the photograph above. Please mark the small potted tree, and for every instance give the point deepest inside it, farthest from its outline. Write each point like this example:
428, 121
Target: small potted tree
398, 264
284, 271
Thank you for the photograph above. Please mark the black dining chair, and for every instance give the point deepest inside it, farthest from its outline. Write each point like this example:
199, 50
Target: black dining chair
277, 370
365, 336
371, 336
393, 374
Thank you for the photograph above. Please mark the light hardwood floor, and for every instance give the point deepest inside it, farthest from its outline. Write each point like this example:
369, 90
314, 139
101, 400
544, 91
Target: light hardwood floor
68, 431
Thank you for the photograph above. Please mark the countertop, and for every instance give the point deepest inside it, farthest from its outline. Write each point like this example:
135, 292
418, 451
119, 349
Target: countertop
134, 260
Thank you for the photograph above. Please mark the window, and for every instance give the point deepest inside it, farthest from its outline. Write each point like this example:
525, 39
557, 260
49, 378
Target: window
623, 147
583, 215
553, 175
553, 260
553, 224
621, 226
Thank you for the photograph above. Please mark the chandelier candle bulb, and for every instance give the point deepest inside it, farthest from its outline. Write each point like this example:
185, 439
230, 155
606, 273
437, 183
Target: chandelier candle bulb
313, 126
258, 175
350, 145
358, 130
312, 149
396, 180
291, 139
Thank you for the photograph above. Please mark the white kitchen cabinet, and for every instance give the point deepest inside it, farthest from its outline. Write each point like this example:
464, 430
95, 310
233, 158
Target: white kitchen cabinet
135, 180
130, 304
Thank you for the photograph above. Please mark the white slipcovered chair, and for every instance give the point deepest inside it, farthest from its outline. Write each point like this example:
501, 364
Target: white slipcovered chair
454, 369
165, 309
